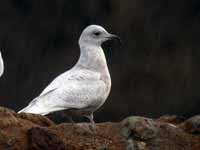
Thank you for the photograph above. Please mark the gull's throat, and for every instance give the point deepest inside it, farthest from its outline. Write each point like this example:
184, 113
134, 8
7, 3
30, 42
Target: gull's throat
92, 57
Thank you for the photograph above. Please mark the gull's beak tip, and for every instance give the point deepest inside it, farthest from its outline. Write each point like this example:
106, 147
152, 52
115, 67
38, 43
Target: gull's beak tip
116, 37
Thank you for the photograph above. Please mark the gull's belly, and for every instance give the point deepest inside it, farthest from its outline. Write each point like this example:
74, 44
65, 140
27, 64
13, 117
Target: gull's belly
96, 100
87, 110
96, 103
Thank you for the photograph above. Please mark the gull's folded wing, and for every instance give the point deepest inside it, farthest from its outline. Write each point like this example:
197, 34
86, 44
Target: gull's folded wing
69, 90
77, 94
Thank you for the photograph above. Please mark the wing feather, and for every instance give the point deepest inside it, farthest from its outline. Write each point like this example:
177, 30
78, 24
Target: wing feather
72, 90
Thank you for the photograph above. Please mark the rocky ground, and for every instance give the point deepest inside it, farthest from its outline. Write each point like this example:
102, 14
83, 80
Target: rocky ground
35, 132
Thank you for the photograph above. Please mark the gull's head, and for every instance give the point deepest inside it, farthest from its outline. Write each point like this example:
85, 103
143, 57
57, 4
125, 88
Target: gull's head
95, 35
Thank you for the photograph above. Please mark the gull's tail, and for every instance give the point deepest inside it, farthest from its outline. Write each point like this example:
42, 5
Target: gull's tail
33, 108
42, 105
28, 109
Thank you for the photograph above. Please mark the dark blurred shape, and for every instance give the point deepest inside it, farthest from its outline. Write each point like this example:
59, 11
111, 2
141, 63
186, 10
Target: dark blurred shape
155, 72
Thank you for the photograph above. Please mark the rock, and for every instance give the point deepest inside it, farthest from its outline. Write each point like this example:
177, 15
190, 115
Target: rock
191, 125
14, 128
37, 119
35, 132
139, 128
107, 136
7, 118
171, 119
43, 138
157, 135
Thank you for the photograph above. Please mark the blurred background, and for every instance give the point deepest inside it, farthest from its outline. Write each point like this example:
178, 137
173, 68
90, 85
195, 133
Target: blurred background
154, 72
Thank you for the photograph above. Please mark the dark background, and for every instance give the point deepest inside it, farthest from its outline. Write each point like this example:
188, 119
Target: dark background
155, 72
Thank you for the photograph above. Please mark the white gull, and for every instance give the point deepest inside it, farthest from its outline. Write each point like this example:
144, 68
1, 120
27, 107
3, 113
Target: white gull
1, 65
85, 87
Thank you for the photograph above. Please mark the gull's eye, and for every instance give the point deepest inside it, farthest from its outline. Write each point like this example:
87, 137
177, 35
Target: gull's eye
97, 33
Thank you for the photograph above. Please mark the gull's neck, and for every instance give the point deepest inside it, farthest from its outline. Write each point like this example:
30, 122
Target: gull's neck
93, 58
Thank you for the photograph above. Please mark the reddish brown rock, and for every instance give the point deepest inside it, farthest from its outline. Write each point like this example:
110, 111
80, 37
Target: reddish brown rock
14, 127
35, 132
43, 139
37, 119
13, 130
7, 118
